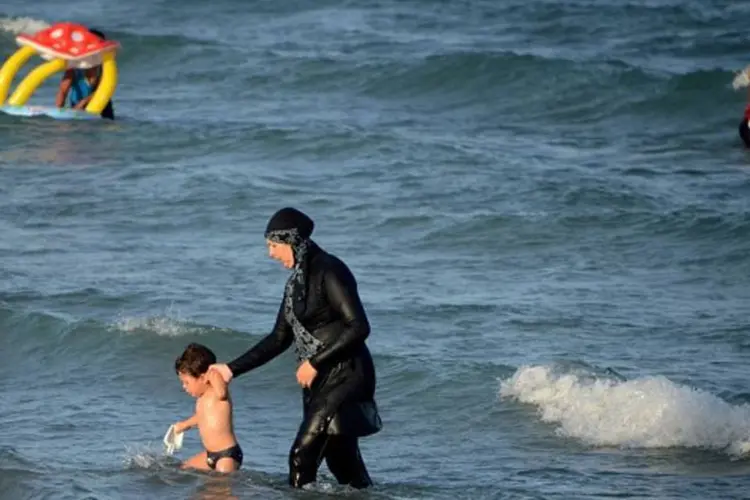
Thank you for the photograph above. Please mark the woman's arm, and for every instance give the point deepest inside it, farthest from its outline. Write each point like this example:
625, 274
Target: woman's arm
268, 348
342, 294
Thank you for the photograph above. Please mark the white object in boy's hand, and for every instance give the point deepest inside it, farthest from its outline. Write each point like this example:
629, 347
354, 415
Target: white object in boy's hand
172, 440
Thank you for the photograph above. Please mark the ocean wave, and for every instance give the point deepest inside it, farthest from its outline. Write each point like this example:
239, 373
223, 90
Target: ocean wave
44, 336
648, 412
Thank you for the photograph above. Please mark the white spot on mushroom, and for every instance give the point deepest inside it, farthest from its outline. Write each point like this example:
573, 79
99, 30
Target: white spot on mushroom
57, 33
77, 36
74, 50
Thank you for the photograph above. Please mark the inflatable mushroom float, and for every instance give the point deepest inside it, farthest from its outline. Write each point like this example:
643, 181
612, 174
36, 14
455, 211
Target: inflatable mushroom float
63, 46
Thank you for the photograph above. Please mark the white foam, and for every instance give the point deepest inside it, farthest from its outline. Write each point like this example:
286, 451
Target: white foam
650, 412
168, 325
741, 79
143, 457
18, 25
161, 325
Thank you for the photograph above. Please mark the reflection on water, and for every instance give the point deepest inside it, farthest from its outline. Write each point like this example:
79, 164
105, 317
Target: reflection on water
41, 140
214, 488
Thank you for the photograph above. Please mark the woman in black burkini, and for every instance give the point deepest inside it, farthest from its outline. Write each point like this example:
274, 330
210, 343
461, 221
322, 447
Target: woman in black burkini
321, 314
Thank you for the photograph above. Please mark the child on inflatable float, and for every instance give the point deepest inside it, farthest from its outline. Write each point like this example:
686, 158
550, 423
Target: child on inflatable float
79, 85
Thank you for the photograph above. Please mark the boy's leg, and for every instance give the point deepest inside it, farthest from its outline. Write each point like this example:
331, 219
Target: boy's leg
227, 464
196, 462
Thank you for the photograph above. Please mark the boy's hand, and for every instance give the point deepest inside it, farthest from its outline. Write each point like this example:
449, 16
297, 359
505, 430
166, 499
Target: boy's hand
184, 425
223, 370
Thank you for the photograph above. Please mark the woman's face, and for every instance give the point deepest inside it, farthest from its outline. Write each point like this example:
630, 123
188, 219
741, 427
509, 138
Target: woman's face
281, 252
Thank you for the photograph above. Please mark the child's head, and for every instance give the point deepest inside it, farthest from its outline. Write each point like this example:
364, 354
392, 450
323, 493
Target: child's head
192, 366
94, 72
98, 33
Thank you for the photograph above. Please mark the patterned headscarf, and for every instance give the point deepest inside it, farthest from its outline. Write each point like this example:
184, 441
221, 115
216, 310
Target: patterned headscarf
292, 227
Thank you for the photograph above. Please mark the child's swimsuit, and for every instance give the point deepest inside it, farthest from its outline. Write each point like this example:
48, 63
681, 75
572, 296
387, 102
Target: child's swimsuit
235, 453
80, 88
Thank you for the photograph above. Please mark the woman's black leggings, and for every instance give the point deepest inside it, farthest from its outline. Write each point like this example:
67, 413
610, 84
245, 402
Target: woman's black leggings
341, 453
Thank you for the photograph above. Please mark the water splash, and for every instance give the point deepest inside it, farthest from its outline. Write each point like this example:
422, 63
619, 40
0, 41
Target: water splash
146, 457
650, 412
741, 79
18, 25
170, 324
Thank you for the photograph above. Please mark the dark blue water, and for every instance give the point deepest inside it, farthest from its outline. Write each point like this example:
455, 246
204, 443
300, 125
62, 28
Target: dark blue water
544, 204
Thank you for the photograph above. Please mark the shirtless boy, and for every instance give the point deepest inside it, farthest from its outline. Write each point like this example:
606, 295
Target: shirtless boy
213, 411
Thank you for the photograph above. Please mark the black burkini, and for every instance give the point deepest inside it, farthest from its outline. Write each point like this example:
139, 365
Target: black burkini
321, 313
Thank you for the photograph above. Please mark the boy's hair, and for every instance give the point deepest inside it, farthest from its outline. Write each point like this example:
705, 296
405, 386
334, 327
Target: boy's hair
195, 360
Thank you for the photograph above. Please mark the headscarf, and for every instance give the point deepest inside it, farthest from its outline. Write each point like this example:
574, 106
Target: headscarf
294, 228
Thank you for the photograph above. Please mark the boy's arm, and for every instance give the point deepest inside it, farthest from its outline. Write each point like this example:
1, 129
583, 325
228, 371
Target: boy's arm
217, 384
186, 424
63, 89
83, 102
95, 85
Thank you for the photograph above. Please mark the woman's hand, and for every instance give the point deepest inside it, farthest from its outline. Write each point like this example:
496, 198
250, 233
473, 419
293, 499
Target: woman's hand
306, 374
223, 370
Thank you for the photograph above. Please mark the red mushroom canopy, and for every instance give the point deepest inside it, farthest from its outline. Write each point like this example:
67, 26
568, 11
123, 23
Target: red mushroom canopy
69, 41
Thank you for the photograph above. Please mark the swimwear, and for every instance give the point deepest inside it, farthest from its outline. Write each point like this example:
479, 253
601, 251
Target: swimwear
235, 453
80, 89
328, 326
